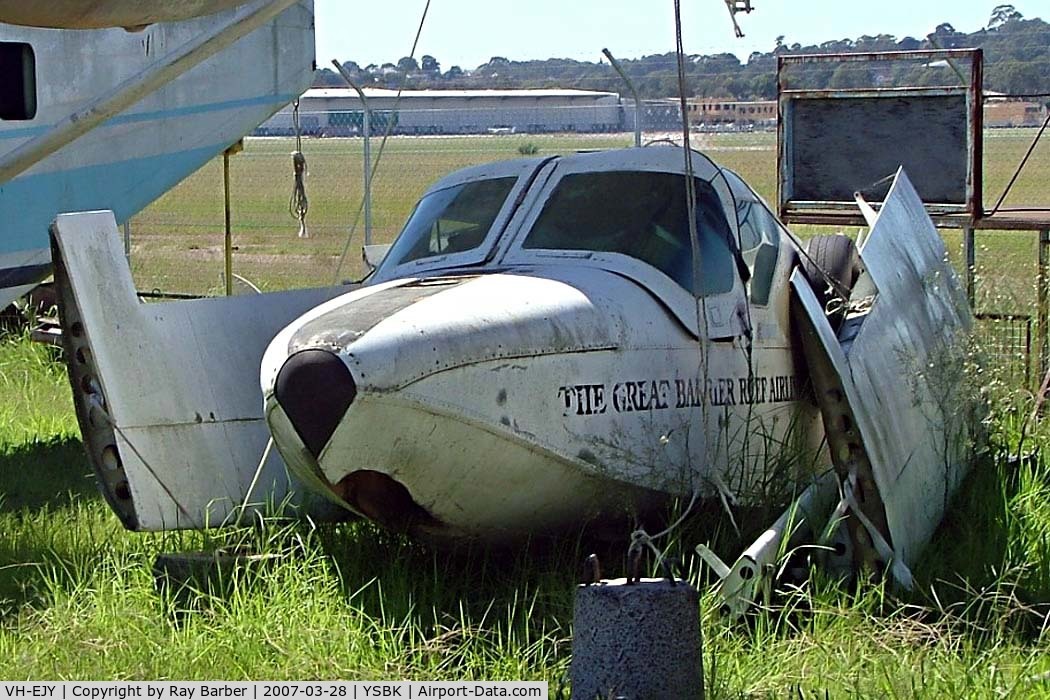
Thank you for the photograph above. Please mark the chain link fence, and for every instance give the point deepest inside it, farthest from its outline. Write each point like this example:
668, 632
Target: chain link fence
177, 243
1006, 344
1016, 167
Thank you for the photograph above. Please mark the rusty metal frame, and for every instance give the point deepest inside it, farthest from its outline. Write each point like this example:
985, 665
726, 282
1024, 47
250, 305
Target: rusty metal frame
845, 213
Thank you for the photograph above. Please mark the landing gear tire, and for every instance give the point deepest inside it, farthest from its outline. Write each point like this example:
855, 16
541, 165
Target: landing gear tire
833, 267
21, 315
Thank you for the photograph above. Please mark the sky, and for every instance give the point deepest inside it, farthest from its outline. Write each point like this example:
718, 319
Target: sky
469, 32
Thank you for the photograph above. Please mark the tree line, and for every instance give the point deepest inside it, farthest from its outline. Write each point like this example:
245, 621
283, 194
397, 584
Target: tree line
1016, 52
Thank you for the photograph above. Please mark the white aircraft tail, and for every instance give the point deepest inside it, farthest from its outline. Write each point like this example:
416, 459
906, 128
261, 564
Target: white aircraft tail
167, 395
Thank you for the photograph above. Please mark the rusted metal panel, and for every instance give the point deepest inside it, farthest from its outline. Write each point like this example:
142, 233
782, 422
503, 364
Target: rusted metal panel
934, 132
869, 93
863, 56
841, 146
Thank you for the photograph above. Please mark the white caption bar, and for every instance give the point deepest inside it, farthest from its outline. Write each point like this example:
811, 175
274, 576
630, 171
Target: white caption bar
155, 690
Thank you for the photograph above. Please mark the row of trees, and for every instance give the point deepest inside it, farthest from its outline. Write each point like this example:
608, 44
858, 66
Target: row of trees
1017, 59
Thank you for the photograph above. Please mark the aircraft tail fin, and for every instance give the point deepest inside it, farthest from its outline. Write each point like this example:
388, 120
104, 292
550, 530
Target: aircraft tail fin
167, 395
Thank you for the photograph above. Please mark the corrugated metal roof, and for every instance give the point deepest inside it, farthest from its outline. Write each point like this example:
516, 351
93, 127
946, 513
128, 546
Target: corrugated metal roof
334, 93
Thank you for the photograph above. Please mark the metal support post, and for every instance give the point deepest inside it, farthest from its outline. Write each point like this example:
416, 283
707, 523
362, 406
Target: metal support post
970, 253
127, 241
366, 127
228, 214
1043, 312
634, 92
228, 241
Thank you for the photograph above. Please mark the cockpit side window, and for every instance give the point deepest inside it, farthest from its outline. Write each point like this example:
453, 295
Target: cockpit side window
453, 220
18, 87
759, 239
642, 215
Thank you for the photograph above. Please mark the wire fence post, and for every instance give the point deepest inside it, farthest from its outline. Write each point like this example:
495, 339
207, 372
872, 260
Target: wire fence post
228, 239
969, 249
366, 128
634, 92
228, 215
127, 241
1043, 304
367, 125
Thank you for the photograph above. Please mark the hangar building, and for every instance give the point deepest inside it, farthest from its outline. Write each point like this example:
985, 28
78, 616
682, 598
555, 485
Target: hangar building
338, 112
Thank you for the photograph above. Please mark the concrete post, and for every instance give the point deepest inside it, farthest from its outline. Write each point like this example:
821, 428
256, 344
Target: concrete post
638, 641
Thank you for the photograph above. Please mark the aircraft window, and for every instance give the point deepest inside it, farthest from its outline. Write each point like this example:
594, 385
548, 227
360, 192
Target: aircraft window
452, 220
760, 246
643, 215
18, 85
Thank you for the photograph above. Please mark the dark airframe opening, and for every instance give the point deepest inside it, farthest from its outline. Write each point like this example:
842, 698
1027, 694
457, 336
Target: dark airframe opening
18, 84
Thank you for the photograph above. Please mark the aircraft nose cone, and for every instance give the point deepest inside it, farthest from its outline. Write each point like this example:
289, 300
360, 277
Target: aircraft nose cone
314, 388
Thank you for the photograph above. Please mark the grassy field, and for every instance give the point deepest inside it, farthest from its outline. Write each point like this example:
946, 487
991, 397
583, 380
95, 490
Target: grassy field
77, 598
178, 242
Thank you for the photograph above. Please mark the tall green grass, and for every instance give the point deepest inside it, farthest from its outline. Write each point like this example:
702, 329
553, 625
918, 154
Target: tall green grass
78, 598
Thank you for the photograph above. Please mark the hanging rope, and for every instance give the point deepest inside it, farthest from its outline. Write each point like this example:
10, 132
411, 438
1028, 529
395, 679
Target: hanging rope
299, 205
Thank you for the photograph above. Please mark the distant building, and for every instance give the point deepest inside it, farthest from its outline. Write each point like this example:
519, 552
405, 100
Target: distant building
338, 112
656, 115
1005, 112
715, 111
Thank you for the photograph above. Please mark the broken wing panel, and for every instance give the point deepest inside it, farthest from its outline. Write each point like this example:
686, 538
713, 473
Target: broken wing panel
905, 427
908, 365
168, 395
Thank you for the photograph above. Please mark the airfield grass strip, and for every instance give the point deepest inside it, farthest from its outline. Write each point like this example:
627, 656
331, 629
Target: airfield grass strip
78, 598
177, 241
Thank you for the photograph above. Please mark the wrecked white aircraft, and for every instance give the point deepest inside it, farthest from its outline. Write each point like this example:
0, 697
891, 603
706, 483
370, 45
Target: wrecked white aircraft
544, 345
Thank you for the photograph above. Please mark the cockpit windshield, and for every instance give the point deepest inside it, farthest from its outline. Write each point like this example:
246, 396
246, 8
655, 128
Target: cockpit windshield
453, 220
642, 215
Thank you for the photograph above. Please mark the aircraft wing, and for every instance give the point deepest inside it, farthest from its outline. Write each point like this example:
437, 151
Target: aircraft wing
98, 14
891, 384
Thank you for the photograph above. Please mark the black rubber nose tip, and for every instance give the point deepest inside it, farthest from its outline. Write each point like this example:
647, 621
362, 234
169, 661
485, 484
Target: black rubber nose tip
315, 388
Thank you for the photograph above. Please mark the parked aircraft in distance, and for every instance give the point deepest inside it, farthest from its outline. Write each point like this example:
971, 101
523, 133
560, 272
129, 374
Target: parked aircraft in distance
190, 100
